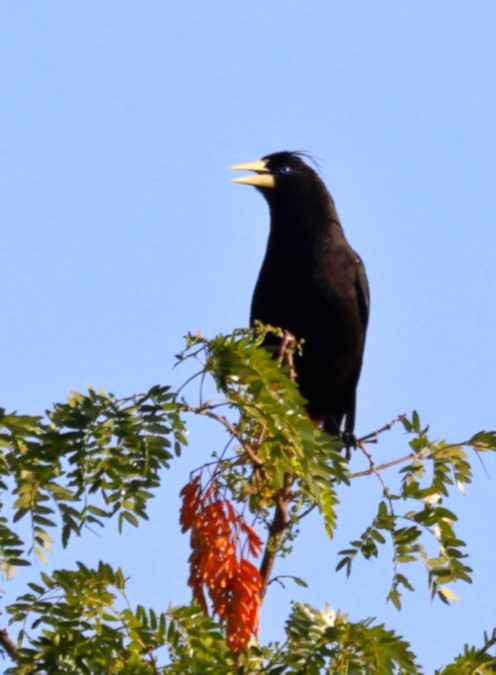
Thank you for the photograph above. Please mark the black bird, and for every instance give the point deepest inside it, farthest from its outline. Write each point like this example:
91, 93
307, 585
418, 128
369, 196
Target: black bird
312, 284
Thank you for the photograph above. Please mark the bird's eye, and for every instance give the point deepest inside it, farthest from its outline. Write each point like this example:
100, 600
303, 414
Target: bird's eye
285, 169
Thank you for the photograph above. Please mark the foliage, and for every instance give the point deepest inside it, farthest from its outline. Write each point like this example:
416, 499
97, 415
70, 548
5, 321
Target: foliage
474, 661
418, 509
97, 457
322, 639
92, 458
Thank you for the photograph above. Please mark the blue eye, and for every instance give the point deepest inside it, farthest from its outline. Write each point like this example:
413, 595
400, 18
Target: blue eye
285, 169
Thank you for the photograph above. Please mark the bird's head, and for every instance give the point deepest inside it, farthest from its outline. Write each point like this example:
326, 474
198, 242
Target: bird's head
282, 175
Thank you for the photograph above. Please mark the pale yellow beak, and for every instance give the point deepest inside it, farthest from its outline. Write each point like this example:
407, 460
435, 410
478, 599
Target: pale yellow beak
262, 178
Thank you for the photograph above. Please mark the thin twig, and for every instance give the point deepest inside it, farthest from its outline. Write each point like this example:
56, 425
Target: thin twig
285, 353
152, 659
387, 495
368, 438
190, 379
381, 467
219, 418
305, 513
375, 470
481, 461
259, 438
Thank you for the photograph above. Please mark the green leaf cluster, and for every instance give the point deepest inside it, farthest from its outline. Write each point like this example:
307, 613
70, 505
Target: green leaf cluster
415, 519
90, 459
324, 641
474, 660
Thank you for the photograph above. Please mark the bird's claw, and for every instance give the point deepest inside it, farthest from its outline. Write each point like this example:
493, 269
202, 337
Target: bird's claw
350, 442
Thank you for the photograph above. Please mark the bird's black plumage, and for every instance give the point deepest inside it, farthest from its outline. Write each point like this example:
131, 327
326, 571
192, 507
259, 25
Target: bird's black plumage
313, 284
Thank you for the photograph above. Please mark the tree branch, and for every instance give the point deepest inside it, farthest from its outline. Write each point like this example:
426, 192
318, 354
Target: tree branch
381, 467
279, 523
8, 646
285, 495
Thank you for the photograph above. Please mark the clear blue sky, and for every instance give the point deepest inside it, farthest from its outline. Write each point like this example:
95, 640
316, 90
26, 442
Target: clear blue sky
121, 231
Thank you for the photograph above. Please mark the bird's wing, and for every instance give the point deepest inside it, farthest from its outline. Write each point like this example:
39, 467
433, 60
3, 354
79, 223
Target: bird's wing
363, 293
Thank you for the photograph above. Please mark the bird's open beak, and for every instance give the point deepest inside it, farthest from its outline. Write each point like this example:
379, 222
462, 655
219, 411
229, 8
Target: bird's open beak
262, 176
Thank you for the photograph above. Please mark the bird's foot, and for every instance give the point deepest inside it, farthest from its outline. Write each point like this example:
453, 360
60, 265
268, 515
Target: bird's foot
350, 442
